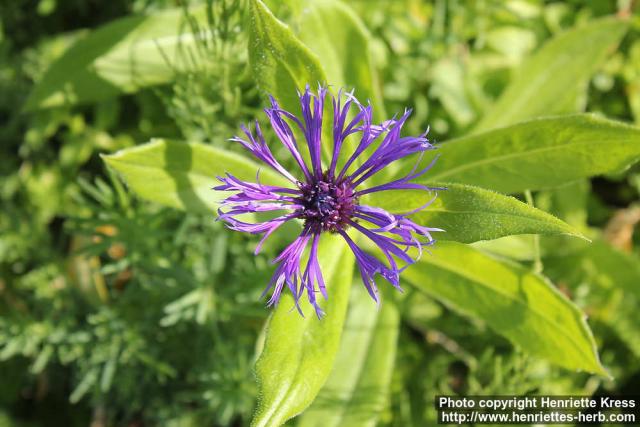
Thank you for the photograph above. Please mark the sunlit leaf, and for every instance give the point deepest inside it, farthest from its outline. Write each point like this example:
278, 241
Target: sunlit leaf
554, 80
299, 353
281, 63
519, 247
344, 51
450, 87
357, 389
601, 264
181, 174
537, 154
516, 303
468, 214
122, 57
613, 280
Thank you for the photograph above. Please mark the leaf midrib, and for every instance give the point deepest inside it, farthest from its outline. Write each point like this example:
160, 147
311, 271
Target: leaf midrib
495, 159
354, 386
545, 221
290, 385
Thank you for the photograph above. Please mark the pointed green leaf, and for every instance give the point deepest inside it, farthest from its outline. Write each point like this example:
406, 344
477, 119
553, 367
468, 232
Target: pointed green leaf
469, 214
357, 389
537, 154
299, 352
613, 280
282, 65
516, 303
601, 264
554, 80
181, 174
121, 57
280, 62
344, 51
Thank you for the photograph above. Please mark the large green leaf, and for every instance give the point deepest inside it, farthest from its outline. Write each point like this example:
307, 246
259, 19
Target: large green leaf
516, 303
469, 214
282, 65
181, 174
344, 51
280, 62
613, 280
554, 80
122, 56
357, 389
601, 264
537, 154
519, 248
299, 352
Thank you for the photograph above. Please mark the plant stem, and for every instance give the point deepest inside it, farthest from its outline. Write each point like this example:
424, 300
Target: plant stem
537, 261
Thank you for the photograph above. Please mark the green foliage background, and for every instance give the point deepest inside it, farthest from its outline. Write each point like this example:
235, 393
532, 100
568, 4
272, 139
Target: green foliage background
123, 303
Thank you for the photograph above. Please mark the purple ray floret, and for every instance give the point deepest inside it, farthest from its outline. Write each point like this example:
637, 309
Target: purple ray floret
327, 200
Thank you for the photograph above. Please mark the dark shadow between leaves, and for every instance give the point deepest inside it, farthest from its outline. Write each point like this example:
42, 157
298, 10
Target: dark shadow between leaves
179, 159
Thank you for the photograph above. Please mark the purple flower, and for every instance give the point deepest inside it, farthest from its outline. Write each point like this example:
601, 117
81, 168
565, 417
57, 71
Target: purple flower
326, 199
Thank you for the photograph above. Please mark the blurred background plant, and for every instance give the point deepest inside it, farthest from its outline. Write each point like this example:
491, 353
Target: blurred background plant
116, 311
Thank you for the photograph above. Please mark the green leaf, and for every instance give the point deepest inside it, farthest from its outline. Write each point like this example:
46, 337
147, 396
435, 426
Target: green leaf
344, 51
280, 62
357, 389
299, 352
450, 86
554, 80
538, 154
469, 214
611, 277
601, 264
181, 174
518, 248
516, 303
121, 57
568, 202
282, 65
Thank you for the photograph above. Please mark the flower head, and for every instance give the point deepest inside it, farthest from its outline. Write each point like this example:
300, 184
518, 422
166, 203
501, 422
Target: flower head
327, 199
